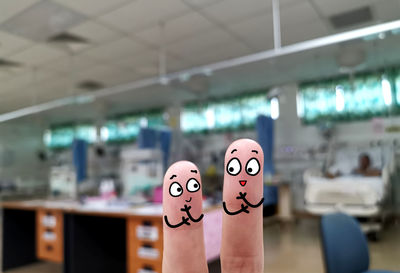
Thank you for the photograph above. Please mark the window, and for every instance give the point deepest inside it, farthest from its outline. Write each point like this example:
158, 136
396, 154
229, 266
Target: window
127, 128
397, 87
230, 114
63, 136
362, 97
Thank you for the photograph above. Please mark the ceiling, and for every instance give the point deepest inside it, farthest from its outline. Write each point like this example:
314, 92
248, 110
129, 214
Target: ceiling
125, 36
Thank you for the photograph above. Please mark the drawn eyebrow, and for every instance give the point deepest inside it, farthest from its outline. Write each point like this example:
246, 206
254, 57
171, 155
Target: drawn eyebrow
234, 150
172, 177
254, 151
193, 171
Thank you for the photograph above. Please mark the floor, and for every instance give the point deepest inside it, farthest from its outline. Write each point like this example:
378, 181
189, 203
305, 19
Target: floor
293, 247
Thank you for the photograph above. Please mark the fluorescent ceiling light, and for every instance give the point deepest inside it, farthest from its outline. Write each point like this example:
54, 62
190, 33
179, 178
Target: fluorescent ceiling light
339, 98
274, 108
210, 118
386, 91
299, 105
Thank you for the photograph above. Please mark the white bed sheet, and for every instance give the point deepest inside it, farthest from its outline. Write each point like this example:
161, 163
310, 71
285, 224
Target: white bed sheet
352, 190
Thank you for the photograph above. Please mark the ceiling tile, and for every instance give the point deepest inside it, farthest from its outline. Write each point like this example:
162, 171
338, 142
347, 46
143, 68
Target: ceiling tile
94, 32
92, 7
68, 64
100, 73
329, 7
176, 64
10, 44
302, 32
299, 13
200, 3
114, 50
220, 53
121, 77
144, 13
148, 70
230, 10
256, 31
36, 55
141, 58
205, 40
9, 8
176, 28
389, 11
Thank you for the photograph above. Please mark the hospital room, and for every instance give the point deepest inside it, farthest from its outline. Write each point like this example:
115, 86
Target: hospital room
177, 136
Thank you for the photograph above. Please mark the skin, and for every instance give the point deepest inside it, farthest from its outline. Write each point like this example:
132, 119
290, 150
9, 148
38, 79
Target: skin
183, 221
242, 247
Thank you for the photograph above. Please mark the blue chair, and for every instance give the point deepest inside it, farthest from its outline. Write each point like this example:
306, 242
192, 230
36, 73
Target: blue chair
345, 247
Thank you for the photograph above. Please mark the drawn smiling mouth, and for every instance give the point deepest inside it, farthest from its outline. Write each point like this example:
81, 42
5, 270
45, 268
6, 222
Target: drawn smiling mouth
242, 182
189, 200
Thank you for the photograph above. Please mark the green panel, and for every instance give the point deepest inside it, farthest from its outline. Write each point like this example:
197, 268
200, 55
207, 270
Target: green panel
230, 114
127, 128
86, 132
397, 86
63, 136
363, 99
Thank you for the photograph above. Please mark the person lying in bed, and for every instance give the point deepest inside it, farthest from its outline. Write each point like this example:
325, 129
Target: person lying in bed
364, 167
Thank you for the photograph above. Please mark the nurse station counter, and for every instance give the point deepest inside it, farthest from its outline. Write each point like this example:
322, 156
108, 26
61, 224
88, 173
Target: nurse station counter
97, 240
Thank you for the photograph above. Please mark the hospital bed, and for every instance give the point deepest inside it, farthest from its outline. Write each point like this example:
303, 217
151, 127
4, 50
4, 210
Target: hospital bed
359, 196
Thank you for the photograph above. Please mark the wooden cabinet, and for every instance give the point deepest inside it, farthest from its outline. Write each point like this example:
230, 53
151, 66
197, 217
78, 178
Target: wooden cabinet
144, 244
49, 235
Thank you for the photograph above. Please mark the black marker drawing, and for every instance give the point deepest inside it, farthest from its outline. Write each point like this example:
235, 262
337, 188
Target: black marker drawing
184, 221
186, 209
243, 209
243, 197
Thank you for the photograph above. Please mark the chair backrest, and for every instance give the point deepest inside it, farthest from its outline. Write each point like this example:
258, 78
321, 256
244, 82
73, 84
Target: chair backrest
345, 247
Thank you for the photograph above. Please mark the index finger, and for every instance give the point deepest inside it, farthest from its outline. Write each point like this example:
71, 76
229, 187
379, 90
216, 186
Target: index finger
183, 220
242, 247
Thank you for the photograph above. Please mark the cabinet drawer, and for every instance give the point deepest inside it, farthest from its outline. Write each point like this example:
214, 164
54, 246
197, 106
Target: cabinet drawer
148, 268
145, 244
49, 235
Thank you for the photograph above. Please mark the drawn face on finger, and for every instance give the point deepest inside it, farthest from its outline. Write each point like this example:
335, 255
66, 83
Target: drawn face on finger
182, 195
244, 160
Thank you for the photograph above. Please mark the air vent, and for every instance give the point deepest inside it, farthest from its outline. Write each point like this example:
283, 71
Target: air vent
90, 85
42, 20
8, 64
66, 37
351, 18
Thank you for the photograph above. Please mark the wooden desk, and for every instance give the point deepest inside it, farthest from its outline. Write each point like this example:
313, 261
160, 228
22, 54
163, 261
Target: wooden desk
84, 240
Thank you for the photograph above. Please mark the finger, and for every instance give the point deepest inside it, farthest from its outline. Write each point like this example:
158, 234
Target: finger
183, 226
242, 247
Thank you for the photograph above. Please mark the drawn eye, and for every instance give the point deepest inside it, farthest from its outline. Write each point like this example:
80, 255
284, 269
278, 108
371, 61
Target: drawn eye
252, 166
233, 167
175, 189
192, 185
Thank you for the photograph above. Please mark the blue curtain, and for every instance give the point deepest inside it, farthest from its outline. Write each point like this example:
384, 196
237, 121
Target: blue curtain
152, 139
79, 150
165, 144
147, 138
265, 133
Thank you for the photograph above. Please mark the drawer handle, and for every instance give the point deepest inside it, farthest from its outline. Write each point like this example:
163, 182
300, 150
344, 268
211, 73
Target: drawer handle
147, 223
49, 248
147, 246
148, 267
